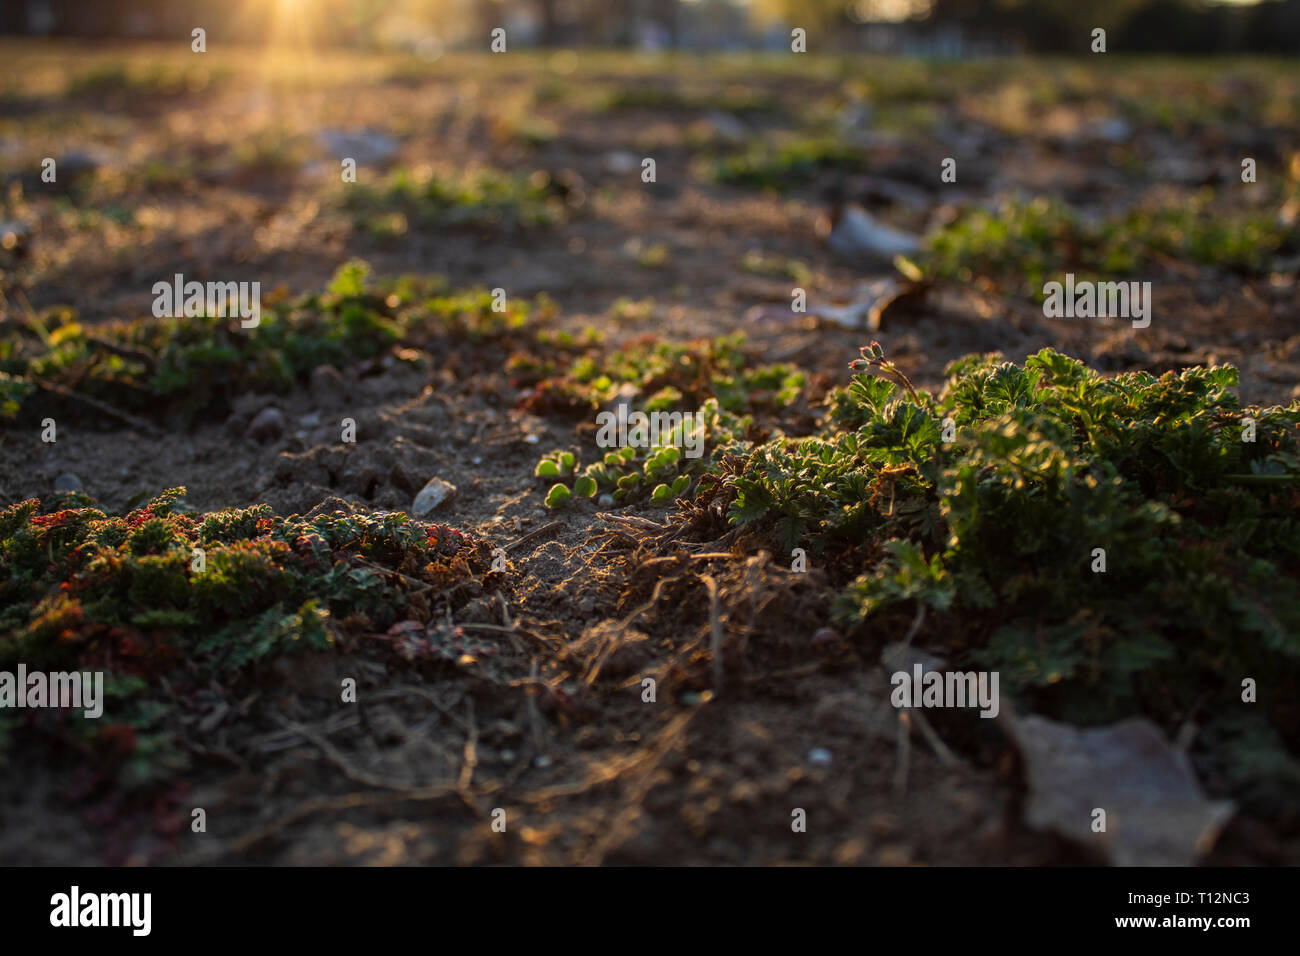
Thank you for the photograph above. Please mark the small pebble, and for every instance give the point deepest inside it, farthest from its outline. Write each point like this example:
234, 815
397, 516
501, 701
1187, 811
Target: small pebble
326, 379
434, 493
67, 482
266, 424
819, 756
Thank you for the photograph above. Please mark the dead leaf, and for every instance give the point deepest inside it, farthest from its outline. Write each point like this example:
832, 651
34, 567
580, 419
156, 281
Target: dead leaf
854, 233
869, 303
901, 656
1156, 814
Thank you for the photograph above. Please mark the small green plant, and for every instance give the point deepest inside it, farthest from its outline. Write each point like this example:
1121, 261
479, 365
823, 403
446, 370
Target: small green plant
739, 99
670, 376
12, 392
163, 592
194, 362
119, 79
780, 167
556, 464
776, 267
77, 582
1024, 244
478, 197
1109, 545
558, 496
656, 474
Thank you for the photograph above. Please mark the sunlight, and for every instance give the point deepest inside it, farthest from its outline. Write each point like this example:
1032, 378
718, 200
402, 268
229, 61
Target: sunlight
291, 23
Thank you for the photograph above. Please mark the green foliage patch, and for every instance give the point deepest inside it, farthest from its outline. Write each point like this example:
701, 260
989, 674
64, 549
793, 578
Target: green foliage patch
664, 376
1023, 244
1001, 532
733, 99
655, 473
479, 197
189, 363
162, 593
715, 384
78, 585
783, 165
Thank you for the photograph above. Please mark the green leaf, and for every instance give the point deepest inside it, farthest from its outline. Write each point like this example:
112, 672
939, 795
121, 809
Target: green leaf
558, 495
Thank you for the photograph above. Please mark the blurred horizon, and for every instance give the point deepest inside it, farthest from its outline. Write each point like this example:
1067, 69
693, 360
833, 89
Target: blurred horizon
950, 29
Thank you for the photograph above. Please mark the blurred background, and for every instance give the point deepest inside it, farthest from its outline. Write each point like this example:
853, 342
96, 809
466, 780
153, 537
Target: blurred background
525, 171
945, 28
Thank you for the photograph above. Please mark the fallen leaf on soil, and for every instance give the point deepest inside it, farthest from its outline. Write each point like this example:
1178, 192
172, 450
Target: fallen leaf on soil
901, 656
855, 233
369, 147
727, 127
870, 301
1156, 814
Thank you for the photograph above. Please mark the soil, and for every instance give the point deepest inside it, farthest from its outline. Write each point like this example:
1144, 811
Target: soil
552, 728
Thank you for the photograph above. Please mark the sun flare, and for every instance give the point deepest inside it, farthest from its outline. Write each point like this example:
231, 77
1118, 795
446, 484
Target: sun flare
286, 23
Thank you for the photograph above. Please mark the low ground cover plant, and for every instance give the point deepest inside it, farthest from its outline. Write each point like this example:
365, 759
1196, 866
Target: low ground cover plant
163, 598
1023, 244
1110, 545
193, 362
477, 197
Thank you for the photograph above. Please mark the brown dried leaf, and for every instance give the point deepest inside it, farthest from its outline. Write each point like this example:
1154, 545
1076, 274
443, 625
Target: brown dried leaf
1156, 814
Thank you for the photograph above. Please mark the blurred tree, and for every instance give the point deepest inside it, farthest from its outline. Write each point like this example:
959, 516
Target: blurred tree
1274, 26
1037, 25
1170, 25
1046, 25
812, 15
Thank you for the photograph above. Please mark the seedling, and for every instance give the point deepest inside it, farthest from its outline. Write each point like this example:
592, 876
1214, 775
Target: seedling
873, 356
